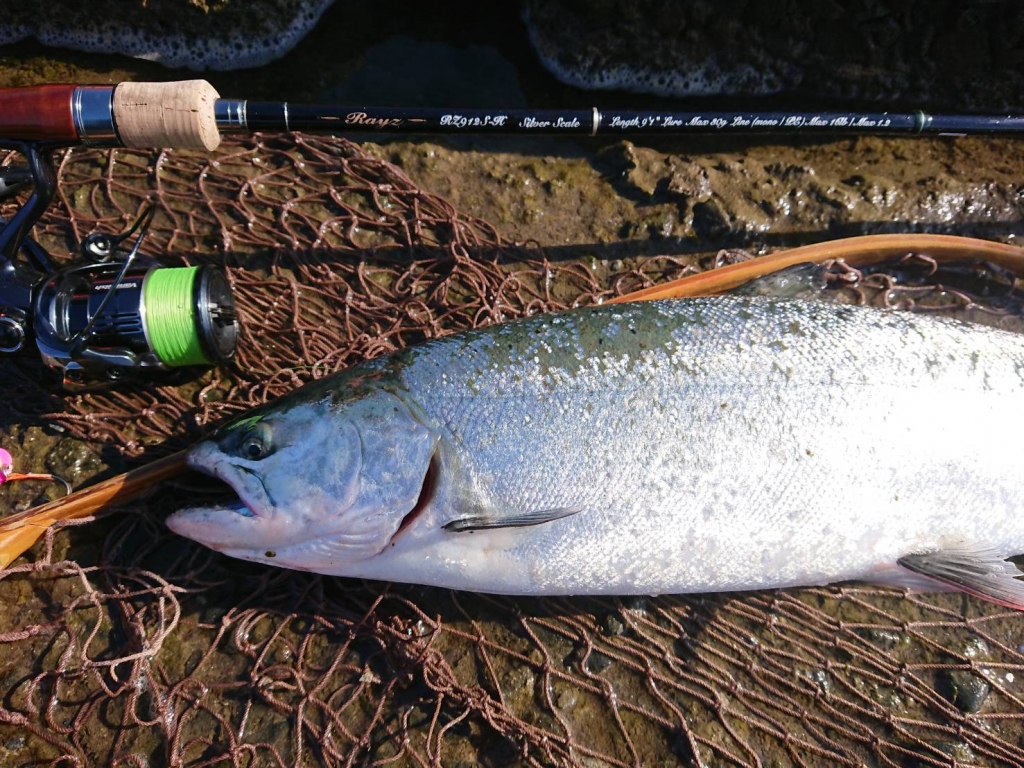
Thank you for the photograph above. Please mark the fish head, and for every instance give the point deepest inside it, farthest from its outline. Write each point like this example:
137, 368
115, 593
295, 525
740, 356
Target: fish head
319, 484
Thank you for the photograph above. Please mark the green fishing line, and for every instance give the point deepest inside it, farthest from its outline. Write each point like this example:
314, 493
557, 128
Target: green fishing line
171, 316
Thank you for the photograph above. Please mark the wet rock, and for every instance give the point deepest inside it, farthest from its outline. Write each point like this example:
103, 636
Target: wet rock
886, 639
564, 695
612, 44
74, 461
689, 180
653, 173
943, 52
957, 750
637, 604
684, 647
710, 220
612, 625
519, 682
821, 679
886, 696
682, 748
225, 34
647, 169
598, 662
976, 648
594, 662
965, 690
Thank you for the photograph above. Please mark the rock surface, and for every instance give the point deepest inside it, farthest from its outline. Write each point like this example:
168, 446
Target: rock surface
196, 34
926, 52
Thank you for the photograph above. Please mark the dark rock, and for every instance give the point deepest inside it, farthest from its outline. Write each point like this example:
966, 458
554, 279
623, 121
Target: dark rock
177, 33
945, 52
966, 690
613, 625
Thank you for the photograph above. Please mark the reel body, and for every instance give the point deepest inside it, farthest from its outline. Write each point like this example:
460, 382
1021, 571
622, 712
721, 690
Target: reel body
112, 312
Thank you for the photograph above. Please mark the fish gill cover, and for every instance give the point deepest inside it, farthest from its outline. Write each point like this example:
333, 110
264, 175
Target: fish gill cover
124, 645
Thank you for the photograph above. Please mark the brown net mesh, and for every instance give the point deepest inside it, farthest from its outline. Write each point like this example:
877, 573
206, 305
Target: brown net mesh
124, 645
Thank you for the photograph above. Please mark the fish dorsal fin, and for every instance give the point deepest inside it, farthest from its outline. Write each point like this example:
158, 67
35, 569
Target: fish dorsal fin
520, 520
978, 571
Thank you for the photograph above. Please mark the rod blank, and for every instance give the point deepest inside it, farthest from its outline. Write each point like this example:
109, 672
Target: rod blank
235, 115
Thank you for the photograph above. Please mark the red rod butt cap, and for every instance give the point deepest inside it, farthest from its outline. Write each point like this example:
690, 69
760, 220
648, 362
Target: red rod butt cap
37, 113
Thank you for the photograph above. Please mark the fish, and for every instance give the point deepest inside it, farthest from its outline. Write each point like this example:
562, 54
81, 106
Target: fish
680, 446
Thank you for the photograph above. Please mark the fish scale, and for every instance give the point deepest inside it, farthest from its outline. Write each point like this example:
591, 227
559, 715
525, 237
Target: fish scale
696, 445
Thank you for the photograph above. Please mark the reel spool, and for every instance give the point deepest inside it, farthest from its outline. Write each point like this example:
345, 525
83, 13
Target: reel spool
94, 319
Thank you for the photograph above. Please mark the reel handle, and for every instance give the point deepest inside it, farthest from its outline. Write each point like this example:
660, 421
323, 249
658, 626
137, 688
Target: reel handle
140, 115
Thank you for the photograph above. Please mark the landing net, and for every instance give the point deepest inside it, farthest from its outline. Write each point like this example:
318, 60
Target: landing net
123, 645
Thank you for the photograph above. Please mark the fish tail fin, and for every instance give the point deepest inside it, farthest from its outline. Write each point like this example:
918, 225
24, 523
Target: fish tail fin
979, 571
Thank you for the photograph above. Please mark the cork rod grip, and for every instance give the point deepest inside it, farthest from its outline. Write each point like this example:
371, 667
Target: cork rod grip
177, 114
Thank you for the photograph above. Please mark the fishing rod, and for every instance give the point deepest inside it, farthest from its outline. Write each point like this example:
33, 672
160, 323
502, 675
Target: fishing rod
115, 311
191, 114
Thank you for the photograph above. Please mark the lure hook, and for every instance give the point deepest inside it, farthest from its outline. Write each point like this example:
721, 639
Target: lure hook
7, 473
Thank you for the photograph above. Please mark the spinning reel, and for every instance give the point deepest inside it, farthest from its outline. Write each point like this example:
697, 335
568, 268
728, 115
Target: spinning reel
113, 311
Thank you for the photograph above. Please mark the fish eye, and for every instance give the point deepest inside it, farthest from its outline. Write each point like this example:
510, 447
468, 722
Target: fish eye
256, 443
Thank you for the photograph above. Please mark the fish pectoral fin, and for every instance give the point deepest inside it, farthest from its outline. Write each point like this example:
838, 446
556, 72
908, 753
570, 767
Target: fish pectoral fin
523, 520
978, 571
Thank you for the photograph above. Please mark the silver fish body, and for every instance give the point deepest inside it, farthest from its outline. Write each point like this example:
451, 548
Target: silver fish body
698, 445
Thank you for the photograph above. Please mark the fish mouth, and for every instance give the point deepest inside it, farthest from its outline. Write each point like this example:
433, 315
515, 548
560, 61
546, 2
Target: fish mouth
227, 523
250, 494
236, 505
